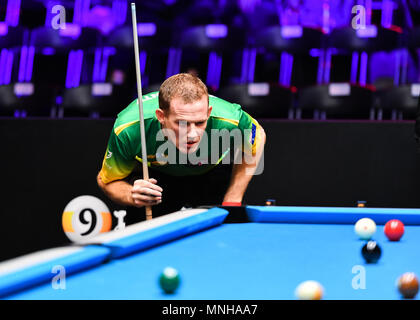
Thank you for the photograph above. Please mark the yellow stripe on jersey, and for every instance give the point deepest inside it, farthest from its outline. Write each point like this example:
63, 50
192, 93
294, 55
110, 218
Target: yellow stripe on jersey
120, 128
108, 176
235, 122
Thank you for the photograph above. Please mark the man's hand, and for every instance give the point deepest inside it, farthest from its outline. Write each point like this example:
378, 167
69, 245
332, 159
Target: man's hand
146, 193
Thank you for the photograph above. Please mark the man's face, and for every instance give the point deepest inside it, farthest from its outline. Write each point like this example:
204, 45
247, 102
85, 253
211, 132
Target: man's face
187, 122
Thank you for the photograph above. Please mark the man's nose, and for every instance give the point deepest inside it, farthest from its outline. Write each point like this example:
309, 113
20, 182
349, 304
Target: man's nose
192, 129
192, 132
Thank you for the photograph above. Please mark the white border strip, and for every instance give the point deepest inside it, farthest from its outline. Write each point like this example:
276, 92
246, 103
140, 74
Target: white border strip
32, 259
29, 260
143, 226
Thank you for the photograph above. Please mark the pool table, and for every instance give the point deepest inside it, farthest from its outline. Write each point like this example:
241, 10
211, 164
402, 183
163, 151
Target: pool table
262, 255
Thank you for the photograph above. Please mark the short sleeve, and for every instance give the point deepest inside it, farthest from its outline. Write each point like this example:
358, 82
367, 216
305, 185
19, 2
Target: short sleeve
117, 163
251, 130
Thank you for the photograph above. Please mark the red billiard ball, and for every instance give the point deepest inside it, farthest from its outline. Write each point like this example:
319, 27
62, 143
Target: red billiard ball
394, 229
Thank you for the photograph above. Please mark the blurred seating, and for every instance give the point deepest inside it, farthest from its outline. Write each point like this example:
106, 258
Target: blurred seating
92, 100
277, 55
151, 88
208, 51
398, 100
351, 97
412, 38
401, 101
261, 100
33, 14
336, 101
61, 60
370, 39
12, 97
293, 39
154, 43
250, 52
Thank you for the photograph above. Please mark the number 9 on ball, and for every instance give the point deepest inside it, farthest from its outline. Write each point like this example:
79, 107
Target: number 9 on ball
85, 217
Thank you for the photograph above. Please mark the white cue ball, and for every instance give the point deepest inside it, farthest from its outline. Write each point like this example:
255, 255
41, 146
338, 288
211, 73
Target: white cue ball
365, 228
309, 290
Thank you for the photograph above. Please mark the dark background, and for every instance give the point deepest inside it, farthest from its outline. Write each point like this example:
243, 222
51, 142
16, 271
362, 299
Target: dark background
48, 157
46, 163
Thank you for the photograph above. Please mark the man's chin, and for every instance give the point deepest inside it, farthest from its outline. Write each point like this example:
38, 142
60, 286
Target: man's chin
185, 149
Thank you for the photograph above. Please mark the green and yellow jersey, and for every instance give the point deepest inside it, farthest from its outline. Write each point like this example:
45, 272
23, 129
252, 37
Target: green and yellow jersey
124, 153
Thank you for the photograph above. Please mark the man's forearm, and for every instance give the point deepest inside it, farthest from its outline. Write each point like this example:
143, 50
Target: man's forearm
238, 184
118, 191
242, 174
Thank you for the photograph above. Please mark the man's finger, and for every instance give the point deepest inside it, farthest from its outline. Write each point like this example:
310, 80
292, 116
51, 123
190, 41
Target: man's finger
143, 197
150, 183
146, 190
152, 186
150, 192
155, 201
140, 203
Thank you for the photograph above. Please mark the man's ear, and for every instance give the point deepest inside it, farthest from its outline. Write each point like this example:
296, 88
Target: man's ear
209, 112
160, 115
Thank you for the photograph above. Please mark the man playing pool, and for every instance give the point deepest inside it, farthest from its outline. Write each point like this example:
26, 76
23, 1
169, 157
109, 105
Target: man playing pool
190, 136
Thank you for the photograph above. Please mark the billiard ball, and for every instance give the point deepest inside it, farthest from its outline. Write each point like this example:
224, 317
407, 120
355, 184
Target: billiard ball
309, 290
408, 285
361, 204
85, 217
365, 228
169, 280
394, 230
270, 202
371, 252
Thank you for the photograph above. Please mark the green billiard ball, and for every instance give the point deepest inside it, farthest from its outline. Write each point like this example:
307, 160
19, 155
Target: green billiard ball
169, 280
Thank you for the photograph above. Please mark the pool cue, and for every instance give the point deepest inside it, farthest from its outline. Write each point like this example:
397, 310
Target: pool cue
140, 103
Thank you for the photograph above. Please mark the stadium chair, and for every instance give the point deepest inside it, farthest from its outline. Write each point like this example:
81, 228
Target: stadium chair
92, 100
213, 46
261, 100
401, 101
349, 98
398, 100
58, 59
279, 51
154, 43
13, 96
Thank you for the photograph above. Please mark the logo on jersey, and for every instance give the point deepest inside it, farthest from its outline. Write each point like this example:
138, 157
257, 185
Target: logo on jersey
253, 134
109, 154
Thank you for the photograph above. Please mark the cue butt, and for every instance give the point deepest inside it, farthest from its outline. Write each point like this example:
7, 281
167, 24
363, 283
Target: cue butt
149, 213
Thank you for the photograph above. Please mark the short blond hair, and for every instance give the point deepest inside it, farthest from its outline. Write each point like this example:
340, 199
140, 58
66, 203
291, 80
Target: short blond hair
185, 86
